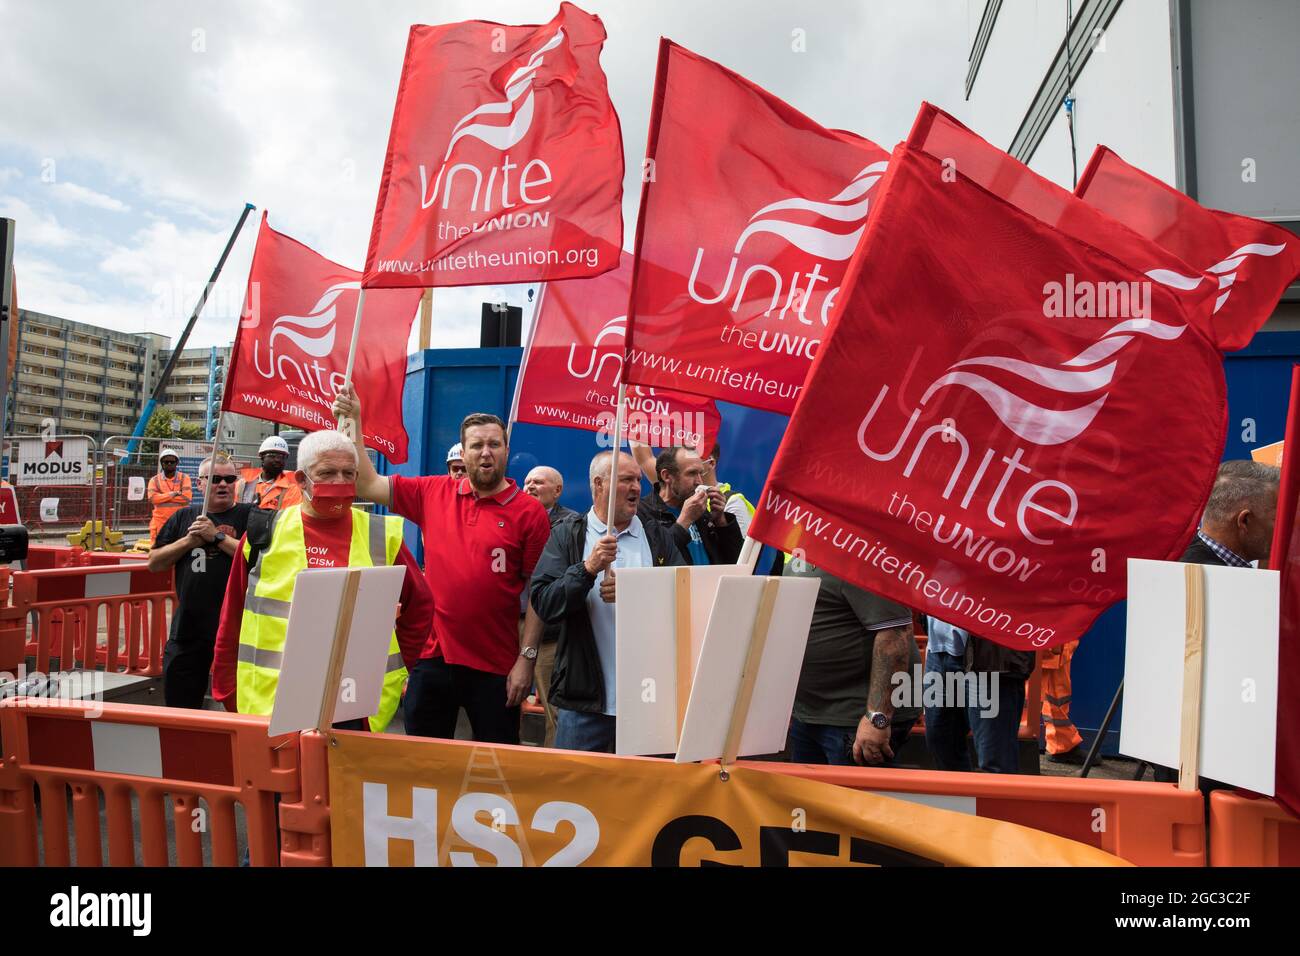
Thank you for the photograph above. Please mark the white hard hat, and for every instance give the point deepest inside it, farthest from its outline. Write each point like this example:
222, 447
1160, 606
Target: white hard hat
274, 443
455, 453
169, 453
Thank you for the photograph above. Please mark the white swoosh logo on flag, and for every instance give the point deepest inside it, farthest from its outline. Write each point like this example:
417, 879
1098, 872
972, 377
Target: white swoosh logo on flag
616, 327
320, 320
500, 137
815, 240
1225, 269
1048, 426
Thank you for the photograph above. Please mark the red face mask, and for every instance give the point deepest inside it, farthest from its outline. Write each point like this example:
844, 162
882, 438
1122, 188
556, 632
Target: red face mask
333, 500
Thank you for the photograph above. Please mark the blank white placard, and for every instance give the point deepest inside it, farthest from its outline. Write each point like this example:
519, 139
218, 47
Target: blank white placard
1238, 733
313, 616
722, 663
645, 669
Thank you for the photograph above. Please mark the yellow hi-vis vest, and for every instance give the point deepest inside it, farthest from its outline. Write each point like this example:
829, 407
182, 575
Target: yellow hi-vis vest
725, 490
376, 539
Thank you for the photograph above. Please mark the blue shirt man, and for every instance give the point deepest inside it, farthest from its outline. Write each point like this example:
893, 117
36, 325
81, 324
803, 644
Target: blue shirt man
575, 587
633, 552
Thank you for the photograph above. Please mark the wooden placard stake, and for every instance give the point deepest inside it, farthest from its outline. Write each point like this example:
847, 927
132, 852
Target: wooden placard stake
426, 318
682, 632
753, 657
339, 650
1189, 751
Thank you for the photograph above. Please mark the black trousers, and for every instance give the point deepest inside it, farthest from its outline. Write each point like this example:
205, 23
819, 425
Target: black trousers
437, 691
185, 673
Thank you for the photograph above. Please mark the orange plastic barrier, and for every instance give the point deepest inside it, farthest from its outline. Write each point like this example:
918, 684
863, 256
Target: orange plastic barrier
95, 559
1251, 832
13, 631
68, 604
42, 557
204, 761
305, 822
1148, 824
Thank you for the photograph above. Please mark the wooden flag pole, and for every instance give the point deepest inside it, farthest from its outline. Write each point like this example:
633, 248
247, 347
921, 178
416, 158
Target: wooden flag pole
339, 650
426, 318
1189, 751
753, 657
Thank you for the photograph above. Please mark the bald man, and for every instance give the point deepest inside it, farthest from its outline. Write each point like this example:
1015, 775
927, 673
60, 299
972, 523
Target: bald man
546, 485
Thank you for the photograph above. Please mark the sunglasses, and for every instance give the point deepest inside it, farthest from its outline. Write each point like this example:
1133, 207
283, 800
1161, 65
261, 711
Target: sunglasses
221, 479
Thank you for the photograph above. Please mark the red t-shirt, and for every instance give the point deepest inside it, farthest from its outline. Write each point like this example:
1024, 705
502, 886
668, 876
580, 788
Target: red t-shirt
328, 541
478, 556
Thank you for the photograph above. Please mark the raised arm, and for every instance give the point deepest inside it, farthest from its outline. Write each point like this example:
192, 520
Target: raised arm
645, 459
370, 483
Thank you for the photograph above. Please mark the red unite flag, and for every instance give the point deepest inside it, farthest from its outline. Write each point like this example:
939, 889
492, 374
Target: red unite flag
1286, 558
505, 159
987, 434
749, 214
573, 362
1250, 262
291, 350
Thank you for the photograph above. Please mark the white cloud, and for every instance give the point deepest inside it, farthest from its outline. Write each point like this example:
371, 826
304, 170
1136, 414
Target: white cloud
71, 192
46, 286
35, 228
9, 172
288, 106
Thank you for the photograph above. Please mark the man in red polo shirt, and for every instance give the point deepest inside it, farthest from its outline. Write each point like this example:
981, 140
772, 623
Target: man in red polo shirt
482, 537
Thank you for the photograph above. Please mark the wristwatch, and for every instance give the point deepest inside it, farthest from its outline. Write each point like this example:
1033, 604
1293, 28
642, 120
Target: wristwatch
221, 536
878, 720
529, 653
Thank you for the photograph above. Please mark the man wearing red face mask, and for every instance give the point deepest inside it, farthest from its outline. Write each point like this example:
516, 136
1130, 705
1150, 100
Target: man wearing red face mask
324, 531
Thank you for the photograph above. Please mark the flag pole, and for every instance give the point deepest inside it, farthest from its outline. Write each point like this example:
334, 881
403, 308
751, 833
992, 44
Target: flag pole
345, 424
613, 462
523, 364
426, 319
216, 444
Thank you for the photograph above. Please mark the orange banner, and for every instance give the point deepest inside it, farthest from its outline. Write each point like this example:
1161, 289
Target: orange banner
399, 801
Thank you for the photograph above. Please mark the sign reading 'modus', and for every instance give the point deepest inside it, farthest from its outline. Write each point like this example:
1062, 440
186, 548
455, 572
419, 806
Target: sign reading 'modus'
61, 461
505, 159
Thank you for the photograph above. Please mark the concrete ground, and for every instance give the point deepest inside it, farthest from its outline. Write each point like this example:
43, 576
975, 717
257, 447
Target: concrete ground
1110, 768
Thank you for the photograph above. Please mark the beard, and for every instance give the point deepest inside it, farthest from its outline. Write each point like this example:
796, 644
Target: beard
487, 483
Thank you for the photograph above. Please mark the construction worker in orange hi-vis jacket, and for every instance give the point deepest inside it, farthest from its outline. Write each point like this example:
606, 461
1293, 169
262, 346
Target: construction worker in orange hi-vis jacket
271, 487
169, 491
1061, 736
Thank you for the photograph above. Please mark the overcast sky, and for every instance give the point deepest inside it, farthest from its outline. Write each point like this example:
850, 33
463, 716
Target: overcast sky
132, 133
